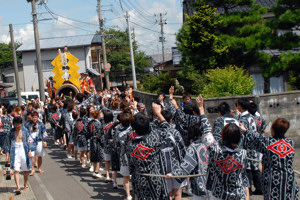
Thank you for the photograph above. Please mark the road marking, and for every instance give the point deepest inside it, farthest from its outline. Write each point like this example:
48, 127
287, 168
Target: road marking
44, 188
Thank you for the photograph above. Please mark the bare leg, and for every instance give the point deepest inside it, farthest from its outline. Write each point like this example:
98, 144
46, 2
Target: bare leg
107, 166
127, 185
75, 154
114, 176
36, 160
82, 157
248, 194
96, 167
40, 161
17, 179
88, 156
25, 179
177, 194
32, 163
171, 195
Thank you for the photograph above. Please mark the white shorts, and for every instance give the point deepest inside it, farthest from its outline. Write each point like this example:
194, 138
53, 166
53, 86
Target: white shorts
40, 151
71, 140
124, 170
107, 157
173, 184
75, 148
81, 148
20, 158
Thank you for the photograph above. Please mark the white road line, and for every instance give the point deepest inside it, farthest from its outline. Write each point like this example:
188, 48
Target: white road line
44, 188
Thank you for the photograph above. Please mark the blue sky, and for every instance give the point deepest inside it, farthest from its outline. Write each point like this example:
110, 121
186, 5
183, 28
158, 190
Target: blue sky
78, 17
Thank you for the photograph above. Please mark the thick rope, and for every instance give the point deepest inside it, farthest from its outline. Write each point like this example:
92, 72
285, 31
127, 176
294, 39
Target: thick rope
164, 176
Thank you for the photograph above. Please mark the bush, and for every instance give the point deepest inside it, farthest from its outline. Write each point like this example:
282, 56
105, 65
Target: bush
155, 84
229, 81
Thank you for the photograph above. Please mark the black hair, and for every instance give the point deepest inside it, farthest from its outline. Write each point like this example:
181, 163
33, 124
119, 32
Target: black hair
10, 109
194, 132
244, 103
196, 109
190, 109
231, 136
17, 120
82, 112
137, 98
161, 93
108, 116
252, 108
167, 115
80, 97
141, 124
224, 108
122, 96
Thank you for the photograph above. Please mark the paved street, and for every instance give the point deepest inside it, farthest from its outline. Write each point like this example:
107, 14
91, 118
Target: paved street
64, 179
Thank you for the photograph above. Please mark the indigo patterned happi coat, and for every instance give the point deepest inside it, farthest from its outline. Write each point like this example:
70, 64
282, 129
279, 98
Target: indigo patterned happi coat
144, 155
28, 144
195, 162
279, 182
226, 172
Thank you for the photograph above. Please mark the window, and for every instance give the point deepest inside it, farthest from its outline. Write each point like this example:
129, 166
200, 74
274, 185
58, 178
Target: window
46, 65
8, 79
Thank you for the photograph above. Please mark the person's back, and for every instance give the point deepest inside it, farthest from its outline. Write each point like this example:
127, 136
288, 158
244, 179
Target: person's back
144, 156
278, 157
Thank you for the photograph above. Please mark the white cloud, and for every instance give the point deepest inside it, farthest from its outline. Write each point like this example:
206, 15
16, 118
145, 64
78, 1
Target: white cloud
147, 39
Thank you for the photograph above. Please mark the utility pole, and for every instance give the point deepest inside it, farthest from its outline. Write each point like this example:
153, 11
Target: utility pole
100, 68
161, 23
12, 40
103, 42
38, 51
131, 52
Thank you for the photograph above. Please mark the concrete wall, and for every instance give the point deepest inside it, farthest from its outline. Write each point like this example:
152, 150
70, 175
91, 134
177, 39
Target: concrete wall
271, 106
31, 76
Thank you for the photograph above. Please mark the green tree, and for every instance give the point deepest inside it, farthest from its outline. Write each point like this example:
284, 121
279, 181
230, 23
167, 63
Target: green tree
199, 45
6, 57
118, 55
229, 81
155, 84
283, 38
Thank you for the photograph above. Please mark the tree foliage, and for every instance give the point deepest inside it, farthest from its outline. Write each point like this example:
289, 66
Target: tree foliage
155, 84
118, 55
197, 41
6, 56
229, 81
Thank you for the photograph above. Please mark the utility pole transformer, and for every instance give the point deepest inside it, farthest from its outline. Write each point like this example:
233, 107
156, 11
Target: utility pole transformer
38, 51
15, 64
103, 42
131, 53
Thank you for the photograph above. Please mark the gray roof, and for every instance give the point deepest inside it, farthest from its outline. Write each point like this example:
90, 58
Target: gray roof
157, 58
264, 3
277, 52
59, 42
94, 72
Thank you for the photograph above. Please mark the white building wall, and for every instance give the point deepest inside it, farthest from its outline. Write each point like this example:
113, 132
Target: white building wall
30, 74
11, 72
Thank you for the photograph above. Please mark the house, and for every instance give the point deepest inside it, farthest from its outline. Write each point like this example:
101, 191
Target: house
263, 85
8, 79
79, 46
171, 63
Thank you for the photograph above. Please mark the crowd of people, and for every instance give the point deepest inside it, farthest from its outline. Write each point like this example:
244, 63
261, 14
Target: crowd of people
159, 150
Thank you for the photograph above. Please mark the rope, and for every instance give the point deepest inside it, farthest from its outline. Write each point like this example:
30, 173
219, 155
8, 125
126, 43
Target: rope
298, 173
255, 160
164, 176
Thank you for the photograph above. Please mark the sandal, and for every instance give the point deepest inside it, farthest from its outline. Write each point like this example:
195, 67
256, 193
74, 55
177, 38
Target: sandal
26, 188
41, 171
18, 191
32, 173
